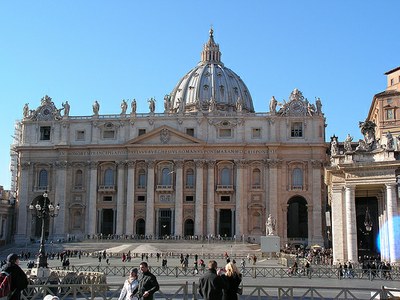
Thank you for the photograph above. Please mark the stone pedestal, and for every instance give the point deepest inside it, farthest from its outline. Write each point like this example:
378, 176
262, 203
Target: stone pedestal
270, 243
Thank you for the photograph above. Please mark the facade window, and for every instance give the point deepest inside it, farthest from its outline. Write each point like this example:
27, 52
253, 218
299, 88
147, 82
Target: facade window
108, 177
190, 178
392, 81
107, 198
141, 131
256, 133
142, 179
80, 135
78, 178
225, 133
297, 178
389, 101
256, 178
45, 133
190, 131
108, 134
166, 177
296, 129
225, 198
189, 198
43, 179
226, 176
390, 114
141, 198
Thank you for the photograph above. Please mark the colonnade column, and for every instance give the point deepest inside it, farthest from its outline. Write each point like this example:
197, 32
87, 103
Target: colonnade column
150, 199
391, 204
210, 198
338, 234
199, 209
23, 232
91, 220
351, 226
59, 197
240, 216
130, 198
273, 193
179, 199
120, 197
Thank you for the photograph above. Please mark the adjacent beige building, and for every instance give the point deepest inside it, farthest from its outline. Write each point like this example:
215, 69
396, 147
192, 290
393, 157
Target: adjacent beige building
207, 165
363, 180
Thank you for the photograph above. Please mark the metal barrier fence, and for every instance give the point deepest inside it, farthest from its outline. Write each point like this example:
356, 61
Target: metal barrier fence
267, 272
188, 291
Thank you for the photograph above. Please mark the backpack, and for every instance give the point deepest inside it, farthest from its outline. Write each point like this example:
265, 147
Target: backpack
5, 285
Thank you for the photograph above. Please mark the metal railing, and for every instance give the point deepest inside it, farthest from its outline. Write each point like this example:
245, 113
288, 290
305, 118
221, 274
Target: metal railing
189, 290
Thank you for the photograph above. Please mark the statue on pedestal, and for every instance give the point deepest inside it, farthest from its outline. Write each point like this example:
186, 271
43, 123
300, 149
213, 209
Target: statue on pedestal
270, 225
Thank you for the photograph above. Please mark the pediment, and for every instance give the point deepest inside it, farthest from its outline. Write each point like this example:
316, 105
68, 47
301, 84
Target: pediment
164, 135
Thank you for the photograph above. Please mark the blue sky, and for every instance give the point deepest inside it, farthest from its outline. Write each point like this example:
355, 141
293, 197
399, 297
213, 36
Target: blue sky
83, 51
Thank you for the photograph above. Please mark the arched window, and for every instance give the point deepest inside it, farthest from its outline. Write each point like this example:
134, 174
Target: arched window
109, 177
297, 178
78, 178
256, 178
166, 177
142, 179
226, 176
190, 178
43, 179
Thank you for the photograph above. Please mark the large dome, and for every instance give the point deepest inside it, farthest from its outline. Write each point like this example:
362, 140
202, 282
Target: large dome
210, 86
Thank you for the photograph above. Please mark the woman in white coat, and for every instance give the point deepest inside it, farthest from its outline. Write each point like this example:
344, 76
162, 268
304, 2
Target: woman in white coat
130, 287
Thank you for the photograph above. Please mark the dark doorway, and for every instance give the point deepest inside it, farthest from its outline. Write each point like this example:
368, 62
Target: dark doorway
164, 221
297, 218
107, 224
366, 239
225, 223
140, 227
189, 227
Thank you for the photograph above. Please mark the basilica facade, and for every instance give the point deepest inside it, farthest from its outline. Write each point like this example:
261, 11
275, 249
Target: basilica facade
208, 165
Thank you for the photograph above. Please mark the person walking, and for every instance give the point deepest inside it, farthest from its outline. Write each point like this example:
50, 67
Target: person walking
232, 278
211, 285
131, 286
19, 280
148, 283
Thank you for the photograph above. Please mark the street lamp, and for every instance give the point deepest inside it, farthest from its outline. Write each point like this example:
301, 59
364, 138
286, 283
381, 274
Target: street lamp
44, 210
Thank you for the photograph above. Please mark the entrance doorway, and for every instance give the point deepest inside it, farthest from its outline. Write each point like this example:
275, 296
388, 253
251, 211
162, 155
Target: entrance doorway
164, 221
297, 219
367, 212
189, 227
140, 227
225, 223
107, 221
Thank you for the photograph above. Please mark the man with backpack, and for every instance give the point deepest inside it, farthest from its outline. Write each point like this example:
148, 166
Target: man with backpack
19, 280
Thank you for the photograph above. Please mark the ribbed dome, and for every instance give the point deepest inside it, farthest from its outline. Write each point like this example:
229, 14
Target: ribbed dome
210, 86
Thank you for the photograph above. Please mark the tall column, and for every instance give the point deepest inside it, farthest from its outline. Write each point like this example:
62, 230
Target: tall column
351, 226
59, 197
91, 208
150, 199
240, 215
199, 206
210, 198
120, 198
391, 204
179, 199
316, 215
273, 192
23, 232
338, 224
130, 198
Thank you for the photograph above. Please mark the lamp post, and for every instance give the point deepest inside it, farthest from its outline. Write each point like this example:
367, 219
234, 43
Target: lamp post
44, 210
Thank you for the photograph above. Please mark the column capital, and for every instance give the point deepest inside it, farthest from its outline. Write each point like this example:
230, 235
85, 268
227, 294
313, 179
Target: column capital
241, 164
121, 163
199, 163
274, 163
211, 164
150, 164
93, 164
179, 163
25, 165
61, 164
131, 163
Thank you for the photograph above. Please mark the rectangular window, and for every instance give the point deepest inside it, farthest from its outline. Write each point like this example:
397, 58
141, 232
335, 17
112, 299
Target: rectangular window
108, 134
141, 198
225, 133
190, 131
45, 132
296, 129
189, 198
107, 198
225, 198
392, 81
80, 135
141, 131
256, 133
390, 114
